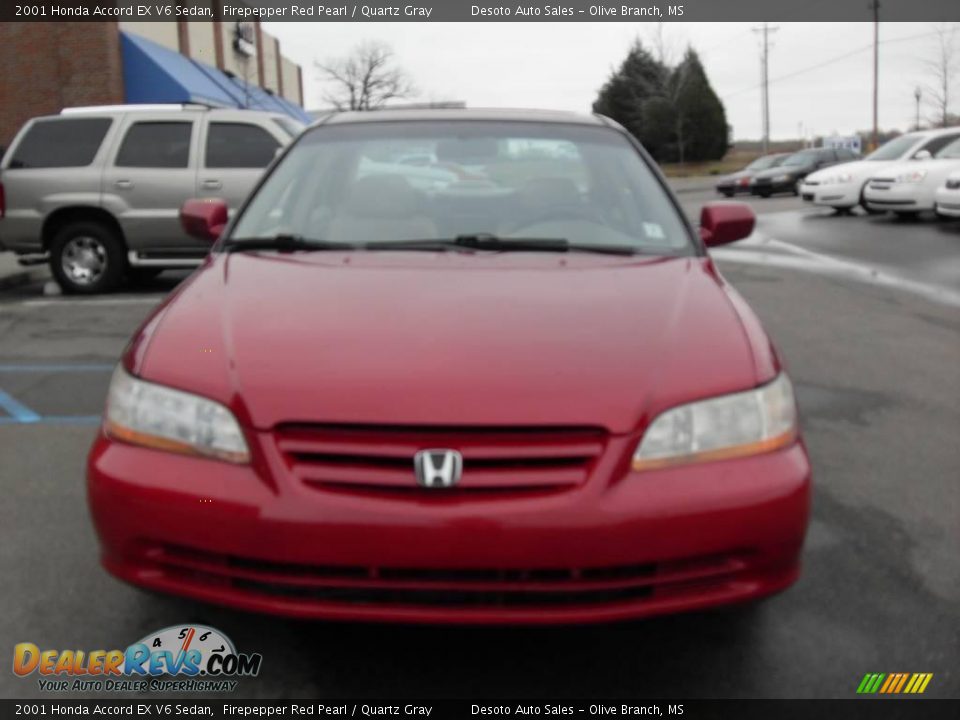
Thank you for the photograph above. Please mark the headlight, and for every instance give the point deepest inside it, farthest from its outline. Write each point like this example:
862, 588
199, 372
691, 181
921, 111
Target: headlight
746, 423
914, 176
143, 413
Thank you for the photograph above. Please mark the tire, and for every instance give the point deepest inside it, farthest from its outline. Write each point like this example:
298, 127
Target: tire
764, 195
87, 257
727, 193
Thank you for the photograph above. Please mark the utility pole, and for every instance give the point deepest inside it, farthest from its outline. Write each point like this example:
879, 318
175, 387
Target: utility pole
875, 6
765, 83
917, 95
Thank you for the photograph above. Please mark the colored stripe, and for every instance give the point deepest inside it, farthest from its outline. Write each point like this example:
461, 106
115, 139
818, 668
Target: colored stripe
19, 412
876, 683
910, 685
861, 688
891, 678
82, 367
926, 681
903, 679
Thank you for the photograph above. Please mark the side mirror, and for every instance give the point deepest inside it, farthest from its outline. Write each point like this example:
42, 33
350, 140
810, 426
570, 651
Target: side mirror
922, 155
725, 222
204, 219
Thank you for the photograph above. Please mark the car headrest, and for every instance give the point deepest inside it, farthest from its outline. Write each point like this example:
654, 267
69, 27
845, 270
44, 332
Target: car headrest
382, 196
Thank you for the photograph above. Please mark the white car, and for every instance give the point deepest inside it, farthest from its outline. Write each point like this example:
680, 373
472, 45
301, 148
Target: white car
947, 197
909, 188
842, 187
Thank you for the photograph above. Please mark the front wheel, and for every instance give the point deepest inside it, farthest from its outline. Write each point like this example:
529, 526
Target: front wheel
869, 210
87, 257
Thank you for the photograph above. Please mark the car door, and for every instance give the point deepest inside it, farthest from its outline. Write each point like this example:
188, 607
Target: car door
151, 174
235, 153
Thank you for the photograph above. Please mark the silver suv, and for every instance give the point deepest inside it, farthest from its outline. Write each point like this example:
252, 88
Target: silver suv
98, 190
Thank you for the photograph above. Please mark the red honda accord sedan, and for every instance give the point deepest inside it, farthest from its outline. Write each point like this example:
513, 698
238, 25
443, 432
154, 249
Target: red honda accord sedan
503, 384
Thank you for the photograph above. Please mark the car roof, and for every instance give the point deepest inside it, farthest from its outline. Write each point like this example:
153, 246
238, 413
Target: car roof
935, 132
161, 107
440, 114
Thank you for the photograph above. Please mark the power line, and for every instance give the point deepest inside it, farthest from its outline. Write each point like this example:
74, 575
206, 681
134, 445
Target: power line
819, 65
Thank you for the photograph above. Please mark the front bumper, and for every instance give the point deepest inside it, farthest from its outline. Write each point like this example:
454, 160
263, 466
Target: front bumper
947, 202
772, 188
836, 195
897, 197
635, 545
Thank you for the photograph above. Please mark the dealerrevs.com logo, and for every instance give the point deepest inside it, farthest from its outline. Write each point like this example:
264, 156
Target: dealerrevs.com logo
183, 658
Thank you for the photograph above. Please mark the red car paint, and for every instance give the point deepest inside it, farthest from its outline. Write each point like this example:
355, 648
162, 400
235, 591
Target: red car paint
543, 370
737, 524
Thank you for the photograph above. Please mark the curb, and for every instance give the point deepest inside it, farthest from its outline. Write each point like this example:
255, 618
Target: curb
15, 279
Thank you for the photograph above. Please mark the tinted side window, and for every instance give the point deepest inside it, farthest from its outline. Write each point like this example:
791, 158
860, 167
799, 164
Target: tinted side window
239, 145
156, 145
60, 143
827, 156
846, 154
939, 143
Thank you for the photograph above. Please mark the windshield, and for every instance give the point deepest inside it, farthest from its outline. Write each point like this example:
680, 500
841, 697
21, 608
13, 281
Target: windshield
894, 149
415, 180
800, 158
950, 152
765, 162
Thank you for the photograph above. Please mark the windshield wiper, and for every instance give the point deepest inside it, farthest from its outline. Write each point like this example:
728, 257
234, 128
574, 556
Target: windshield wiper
487, 241
284, 243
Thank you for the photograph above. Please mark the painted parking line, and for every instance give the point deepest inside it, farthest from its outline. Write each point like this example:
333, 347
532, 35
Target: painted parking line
17, 411
39, 368
54, 420
19, 414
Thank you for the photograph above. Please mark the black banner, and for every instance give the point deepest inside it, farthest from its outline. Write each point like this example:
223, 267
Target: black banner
477, 10
442, 709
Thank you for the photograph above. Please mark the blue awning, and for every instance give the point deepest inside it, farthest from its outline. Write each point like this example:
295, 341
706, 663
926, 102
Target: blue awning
155, 74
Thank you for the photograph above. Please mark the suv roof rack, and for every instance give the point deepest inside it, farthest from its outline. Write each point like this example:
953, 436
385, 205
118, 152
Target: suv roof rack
135, 108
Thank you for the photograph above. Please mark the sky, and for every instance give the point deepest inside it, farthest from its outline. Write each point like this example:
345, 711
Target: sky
821, 73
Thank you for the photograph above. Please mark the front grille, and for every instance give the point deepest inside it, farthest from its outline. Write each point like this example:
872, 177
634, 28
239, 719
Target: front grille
953, 184
453, 587
811, 183
380, 459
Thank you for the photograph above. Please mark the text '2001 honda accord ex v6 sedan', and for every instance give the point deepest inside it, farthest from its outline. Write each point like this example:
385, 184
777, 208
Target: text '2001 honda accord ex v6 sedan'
505, 384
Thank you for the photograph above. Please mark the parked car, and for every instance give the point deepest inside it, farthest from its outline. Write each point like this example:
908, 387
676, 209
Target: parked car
786, 176
374, 402
739, 182
907, 189
98, 190
843, 188
947, 197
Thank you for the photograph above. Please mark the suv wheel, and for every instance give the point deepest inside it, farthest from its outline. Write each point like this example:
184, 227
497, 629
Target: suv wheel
87, 258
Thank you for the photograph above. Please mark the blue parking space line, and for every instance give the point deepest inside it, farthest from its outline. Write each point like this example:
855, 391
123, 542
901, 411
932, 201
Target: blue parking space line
38, 368
17, 411
54, 420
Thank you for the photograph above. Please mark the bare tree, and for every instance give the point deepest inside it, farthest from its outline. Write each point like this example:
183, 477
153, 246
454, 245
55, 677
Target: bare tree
365, 79
943, 66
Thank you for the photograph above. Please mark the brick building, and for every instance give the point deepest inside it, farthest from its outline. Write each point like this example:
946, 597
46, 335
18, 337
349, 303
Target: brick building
52, 65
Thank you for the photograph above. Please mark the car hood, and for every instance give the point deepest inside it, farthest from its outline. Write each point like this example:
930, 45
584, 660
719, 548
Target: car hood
936, 169
859, 169
424, 338
782, 170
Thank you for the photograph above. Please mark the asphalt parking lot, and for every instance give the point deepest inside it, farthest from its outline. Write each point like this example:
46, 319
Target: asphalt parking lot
867, 313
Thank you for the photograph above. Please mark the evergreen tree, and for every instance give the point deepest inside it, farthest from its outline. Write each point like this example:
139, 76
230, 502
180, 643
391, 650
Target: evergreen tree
700, 120
674, 113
